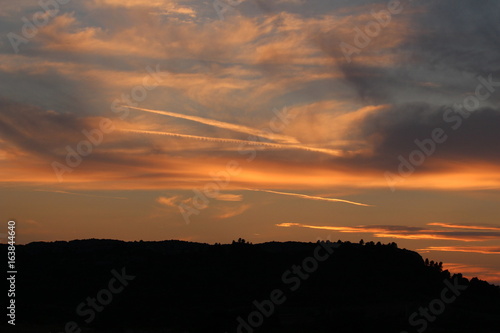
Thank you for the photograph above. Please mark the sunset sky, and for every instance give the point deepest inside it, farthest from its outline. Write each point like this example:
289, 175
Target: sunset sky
267, 120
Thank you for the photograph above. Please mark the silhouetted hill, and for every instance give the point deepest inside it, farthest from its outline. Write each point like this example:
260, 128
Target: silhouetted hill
177, 286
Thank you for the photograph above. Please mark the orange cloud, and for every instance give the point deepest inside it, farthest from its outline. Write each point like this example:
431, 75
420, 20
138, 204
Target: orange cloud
229, 197
229, 212
171, 202
467, 249
484, 273
463, 226
341, 229
167, 7
403, 232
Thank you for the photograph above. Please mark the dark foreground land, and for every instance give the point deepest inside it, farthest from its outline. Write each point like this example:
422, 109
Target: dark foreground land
175, 286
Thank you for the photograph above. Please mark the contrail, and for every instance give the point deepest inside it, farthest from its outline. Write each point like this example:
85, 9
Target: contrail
233, 127
86, 195
310, 197
206, 138
252, 143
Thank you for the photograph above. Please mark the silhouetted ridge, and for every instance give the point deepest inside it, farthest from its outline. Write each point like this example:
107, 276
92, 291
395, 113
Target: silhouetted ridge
194, 287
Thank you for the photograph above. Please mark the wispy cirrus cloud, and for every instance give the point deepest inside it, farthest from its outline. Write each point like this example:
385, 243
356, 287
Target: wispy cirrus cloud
167, 7
229, 197
228, 212
169, 201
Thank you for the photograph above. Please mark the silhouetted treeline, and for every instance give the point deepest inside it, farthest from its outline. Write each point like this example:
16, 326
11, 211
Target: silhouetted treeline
191, 287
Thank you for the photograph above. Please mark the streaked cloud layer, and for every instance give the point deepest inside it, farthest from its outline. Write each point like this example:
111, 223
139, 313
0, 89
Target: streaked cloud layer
405, 232
466, 249
230, 74
413, 108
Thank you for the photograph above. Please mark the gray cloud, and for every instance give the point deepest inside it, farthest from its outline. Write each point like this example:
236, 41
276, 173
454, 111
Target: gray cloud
397, 128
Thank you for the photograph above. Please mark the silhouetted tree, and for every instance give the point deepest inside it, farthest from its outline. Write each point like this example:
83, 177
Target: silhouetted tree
362, 242
241, 241
426, 261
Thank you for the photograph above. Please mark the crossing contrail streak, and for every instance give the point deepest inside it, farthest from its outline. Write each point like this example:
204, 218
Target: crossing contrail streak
220, 124
311, 197
251, 143
207, 138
